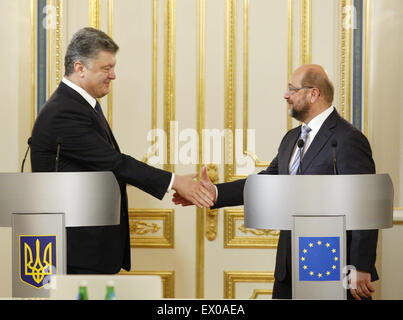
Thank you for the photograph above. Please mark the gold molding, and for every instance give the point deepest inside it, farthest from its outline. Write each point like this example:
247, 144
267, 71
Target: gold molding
253, 238
258, 163
306, 32
289, 57
258, 292
366, 64
59, 41
95, 14
231, 278
110, 34
245, 74
345, 65
168, 280
154, 83
201, 111
141, 229
212, 214
398, 221
154, 98
49, 47
230, 87
154, 86
169, 81
33, 59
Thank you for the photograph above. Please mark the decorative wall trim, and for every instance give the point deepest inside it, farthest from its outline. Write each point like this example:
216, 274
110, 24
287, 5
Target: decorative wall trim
245, 111
110, 34
261, 292
230, 89
59, 41
250, 238
366, 64
201, 114
95, 14
345, 63
33, 64
49, 46
289, 57
169, 82
146, 226
306, 32
168, 280
231, 278
212, 214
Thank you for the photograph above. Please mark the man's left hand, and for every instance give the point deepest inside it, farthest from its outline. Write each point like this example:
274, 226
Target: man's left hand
360, 284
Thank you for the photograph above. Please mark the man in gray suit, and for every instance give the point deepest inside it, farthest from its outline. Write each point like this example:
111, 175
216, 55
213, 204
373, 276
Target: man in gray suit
310, 97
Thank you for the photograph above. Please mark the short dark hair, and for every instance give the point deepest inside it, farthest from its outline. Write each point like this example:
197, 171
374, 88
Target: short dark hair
86, 45
320, 80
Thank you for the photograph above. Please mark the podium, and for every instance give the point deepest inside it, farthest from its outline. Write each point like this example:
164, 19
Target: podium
318, 209
38, 207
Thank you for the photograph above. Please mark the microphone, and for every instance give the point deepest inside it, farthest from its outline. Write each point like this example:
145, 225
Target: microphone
59, 142
26, 153
334, 146
300, 145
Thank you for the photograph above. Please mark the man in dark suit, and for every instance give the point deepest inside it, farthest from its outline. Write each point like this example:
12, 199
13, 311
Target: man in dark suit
73, 118
310, 96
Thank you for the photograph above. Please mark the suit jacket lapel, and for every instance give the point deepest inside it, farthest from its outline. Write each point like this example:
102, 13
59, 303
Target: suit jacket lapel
323, 135
288, 150
76, 96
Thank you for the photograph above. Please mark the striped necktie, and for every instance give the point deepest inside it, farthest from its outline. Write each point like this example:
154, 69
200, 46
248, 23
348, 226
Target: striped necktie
304, 133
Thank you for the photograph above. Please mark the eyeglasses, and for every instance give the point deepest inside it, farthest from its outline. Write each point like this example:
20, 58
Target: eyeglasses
293, 90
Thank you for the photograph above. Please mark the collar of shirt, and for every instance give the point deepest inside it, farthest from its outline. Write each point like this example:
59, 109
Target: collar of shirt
91, 100
315, 125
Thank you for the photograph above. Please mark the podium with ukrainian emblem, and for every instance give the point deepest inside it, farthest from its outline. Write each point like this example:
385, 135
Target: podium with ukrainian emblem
38, 207
318, 209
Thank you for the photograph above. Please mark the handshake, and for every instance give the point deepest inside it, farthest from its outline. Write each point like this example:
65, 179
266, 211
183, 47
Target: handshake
188, 191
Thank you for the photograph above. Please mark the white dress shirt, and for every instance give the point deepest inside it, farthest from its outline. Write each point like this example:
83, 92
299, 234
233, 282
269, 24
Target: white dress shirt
315, 125
92, 101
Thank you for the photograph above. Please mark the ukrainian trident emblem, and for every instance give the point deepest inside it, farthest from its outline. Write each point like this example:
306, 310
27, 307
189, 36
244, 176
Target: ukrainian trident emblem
37, 259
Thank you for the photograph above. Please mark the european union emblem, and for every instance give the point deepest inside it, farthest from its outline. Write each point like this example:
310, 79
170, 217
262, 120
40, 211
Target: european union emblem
37, 259
319, 258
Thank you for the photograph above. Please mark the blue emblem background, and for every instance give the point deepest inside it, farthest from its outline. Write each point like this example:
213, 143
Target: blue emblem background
319, 258
31, 242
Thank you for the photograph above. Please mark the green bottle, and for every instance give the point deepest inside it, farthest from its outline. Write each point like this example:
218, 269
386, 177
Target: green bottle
82, 291
110, 291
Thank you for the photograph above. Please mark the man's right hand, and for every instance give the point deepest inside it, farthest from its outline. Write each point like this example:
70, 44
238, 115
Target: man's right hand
207, 188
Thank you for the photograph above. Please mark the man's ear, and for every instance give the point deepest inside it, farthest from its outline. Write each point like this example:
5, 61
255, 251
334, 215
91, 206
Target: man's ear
314, 94
79, 68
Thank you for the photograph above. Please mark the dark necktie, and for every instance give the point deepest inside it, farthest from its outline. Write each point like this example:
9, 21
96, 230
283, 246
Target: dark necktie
104, 122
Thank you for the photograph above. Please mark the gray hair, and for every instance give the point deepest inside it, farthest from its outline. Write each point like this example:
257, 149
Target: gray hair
86, 45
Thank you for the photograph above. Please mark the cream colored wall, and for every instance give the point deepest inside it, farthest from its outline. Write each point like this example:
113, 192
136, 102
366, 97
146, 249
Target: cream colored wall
386, 131
268, 51
14, 109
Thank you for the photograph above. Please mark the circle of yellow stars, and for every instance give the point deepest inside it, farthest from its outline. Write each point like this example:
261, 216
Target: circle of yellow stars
319, 274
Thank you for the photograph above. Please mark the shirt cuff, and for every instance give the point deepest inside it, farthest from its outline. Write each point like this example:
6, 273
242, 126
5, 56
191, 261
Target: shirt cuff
171, 183
216, 193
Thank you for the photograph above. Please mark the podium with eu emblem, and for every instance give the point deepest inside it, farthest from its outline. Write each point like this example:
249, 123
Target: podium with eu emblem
318, 209
38, 207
